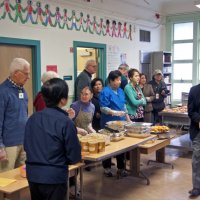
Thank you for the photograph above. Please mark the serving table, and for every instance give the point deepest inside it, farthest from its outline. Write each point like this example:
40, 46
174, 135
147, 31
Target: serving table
175, 118
128, 144
13, 190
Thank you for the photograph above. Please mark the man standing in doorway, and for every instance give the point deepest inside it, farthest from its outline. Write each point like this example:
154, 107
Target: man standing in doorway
13, 115
84, 78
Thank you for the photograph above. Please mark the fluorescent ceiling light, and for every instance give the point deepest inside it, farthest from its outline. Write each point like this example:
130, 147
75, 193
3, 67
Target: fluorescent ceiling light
197, 3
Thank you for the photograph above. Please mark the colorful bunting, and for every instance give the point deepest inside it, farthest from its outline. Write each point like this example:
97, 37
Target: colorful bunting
46, 17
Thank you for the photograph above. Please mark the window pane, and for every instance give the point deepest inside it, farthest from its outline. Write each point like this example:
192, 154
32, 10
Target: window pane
183, 51
183, 31
178, 88
183, 71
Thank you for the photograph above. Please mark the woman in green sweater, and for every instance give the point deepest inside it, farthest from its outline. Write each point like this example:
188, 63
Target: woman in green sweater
135, 100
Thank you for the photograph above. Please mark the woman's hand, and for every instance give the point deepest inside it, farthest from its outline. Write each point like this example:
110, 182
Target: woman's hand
71, 113
81, 131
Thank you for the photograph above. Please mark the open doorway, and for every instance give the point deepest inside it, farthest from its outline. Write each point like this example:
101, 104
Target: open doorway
85, 54
84, 51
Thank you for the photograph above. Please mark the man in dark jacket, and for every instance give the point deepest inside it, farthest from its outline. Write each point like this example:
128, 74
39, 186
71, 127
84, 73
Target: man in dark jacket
160, 91
194, 115
51, 144
84, 78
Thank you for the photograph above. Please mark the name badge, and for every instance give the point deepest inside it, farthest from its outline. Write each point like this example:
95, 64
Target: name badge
21, 95
157, 96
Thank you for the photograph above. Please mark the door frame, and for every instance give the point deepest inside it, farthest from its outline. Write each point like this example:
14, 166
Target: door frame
36, 57
102, 56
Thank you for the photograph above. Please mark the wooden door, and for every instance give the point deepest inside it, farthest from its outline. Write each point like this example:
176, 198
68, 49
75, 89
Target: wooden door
7, 54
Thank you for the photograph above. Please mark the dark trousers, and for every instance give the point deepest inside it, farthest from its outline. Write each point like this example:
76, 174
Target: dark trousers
156, 118
48, 191
120, 162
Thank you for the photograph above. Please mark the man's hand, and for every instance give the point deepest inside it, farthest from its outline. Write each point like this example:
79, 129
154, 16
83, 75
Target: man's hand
3, 154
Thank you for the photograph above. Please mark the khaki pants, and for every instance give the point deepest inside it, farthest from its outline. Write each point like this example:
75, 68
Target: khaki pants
16, 157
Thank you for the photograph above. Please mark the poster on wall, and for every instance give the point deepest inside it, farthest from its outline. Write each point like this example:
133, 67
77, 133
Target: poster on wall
123, 58
113, 55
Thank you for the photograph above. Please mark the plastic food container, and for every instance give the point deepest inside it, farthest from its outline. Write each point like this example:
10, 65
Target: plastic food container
84, 146
101, 145
93, 146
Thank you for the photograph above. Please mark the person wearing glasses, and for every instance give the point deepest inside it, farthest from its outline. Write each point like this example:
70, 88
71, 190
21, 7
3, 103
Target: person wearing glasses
13, 115
84, 78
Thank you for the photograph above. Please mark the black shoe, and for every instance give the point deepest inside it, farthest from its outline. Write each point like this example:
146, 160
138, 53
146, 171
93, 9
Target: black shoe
108, 173
122, 173
194, 193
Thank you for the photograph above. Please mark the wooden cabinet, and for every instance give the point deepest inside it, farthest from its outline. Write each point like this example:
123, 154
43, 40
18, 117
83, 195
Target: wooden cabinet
163, 60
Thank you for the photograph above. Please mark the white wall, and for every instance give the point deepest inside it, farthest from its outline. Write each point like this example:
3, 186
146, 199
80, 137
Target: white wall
56, 43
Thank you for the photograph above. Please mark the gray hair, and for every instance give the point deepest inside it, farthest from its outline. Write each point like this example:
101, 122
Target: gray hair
123, 66
18, 64
89, 63
49, 75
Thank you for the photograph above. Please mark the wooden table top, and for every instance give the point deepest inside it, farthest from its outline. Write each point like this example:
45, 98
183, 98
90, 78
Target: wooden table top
115, 148
21, 182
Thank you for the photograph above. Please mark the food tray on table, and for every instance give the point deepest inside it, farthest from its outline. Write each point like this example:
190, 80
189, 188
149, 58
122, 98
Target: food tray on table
163, 132
138, 135
116, 125
162, 135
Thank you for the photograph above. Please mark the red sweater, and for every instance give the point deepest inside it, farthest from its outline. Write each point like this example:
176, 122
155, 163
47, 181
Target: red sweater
39, 103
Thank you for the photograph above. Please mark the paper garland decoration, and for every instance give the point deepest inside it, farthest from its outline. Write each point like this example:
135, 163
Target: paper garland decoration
60, 19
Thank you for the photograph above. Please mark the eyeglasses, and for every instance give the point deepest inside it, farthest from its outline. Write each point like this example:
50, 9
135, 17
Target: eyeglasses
25, 73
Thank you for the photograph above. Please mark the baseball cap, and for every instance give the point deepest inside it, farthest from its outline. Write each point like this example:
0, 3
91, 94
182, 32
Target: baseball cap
157, 71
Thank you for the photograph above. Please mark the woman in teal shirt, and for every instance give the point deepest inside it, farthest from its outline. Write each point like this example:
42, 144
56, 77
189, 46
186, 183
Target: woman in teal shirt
135, 100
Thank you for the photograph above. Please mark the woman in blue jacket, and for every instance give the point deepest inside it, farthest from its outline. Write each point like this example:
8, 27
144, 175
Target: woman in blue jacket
112, 105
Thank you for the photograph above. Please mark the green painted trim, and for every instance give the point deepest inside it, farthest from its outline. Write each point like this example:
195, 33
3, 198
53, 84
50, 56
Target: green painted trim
184, 18
35, 45
102, 56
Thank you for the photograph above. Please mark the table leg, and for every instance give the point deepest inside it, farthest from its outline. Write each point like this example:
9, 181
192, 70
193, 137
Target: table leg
160, 155
160, 158
1, 196
135, 165
13, 196
135, 162
81, 183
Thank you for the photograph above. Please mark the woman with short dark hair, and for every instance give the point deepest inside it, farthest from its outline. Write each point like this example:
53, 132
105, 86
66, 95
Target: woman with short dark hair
97, 86
112, 104
51, 144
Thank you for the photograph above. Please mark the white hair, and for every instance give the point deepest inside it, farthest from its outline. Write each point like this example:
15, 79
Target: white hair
49, 75
88, 62
18, 64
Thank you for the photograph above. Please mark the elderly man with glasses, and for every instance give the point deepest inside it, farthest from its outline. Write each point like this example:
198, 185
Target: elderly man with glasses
84, 78
13, 115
